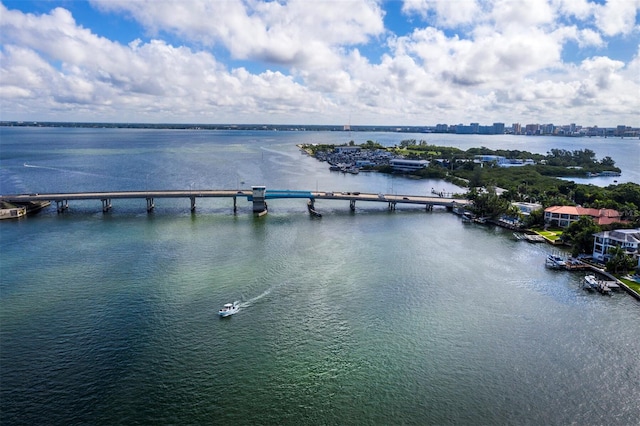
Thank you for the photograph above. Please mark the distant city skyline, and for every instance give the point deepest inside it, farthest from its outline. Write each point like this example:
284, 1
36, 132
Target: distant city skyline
572, 129
357, 62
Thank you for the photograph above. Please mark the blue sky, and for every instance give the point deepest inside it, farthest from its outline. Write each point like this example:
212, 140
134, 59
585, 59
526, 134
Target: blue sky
411, 62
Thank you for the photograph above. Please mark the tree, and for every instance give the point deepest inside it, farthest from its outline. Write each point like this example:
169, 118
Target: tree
534, 219
619, 261
476, 179
580, 235
608, 161
489, 204
625, 193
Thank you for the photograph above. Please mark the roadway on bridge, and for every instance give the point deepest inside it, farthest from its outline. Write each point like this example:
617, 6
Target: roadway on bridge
62, 196
390, 198
234, 193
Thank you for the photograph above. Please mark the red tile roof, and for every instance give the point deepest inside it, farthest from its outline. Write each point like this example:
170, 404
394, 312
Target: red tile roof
601, 216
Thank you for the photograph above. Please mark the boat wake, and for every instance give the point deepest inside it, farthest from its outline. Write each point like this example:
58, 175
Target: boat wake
245, 303
253, 300
57, 169
284, 154
75, 172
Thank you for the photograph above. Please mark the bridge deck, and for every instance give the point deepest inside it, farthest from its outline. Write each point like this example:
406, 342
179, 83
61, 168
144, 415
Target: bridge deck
391, 198
231, 193
66, 196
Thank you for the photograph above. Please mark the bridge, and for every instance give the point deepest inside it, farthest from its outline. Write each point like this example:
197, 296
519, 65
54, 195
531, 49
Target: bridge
257, 195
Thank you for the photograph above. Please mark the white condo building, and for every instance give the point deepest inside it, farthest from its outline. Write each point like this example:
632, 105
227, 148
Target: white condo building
628, 239
402, 165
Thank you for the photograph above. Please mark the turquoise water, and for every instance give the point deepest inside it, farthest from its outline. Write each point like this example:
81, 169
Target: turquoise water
372, 317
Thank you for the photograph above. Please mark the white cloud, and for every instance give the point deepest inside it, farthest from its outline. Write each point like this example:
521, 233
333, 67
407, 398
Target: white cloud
468, 61
617, 16
154, 77
581, 9
522, 13
445, 13
602, 71
588, 37
284, 33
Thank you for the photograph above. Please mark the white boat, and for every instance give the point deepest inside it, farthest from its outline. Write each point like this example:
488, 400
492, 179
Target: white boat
590, 283
229, 309
555, 262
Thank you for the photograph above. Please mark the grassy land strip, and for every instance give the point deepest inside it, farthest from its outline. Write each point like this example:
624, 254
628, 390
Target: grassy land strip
551, 235
632, 284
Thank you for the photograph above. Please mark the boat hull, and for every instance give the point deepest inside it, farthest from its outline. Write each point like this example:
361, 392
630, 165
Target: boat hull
228, 311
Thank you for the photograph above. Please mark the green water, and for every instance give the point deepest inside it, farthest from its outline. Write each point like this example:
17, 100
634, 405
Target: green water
372, 317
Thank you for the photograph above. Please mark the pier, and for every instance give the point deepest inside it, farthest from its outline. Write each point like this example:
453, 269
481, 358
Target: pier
257, 195
604, 286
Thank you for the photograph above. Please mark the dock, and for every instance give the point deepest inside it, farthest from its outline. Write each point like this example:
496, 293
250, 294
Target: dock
10, 211
605, 285
592, 283
572, 264
531, 238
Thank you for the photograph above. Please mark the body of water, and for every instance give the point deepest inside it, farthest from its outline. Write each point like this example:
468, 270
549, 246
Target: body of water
365, 317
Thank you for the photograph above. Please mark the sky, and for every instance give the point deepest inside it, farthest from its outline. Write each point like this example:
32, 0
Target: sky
338, 62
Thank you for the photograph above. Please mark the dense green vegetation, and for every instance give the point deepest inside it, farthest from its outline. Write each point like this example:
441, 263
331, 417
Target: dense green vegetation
490, 205
539, 183
580, 235
619, 262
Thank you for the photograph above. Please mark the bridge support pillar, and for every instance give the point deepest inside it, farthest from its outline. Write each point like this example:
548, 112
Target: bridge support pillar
259, 203
150, 204
193, 203
311, 208
235, 205
106, 205
62, 205
429, 207
392, 205
352, 205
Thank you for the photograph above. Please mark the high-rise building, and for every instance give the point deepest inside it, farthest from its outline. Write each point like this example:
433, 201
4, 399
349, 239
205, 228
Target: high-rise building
516, 128
532, 129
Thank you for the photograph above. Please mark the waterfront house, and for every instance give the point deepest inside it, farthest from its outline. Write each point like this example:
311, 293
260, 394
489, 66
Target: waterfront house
527, 208
628, 239
563, 216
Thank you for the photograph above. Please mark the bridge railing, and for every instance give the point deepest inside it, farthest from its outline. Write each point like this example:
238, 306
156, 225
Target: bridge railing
286, 193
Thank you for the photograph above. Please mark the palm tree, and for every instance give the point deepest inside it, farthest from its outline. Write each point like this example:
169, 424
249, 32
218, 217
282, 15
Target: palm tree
619, 260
